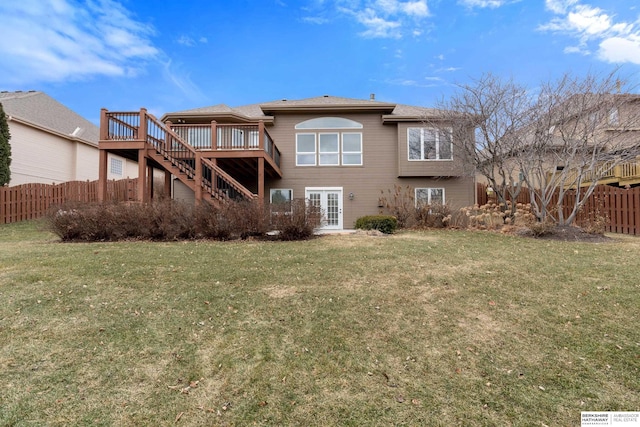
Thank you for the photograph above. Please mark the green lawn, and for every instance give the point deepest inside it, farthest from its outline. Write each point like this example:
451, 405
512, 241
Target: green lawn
437, 328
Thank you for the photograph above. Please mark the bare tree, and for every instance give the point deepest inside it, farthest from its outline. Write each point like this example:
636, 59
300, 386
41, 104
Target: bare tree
562, 138
497, 110
579, 134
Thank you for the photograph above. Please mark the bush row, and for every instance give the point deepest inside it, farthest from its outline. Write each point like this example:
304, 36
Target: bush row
171, 220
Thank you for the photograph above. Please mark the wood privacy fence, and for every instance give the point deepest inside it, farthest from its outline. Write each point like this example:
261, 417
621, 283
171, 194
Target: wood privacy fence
32, 201
619, 207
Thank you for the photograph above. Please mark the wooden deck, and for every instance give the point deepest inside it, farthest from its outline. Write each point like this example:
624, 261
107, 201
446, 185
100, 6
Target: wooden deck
218, 162
622, 175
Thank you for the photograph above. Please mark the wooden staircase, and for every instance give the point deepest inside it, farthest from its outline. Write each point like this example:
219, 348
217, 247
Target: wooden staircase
141, 133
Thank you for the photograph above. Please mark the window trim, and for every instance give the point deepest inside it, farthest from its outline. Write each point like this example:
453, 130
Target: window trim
337, 153
437, 134
343, 151
415, 194
271, 204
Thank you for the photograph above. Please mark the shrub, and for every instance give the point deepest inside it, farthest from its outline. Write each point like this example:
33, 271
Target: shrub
211, 223
400, 203
540, 229
298, 222
170, 220
246, 218
494, 216
436, 215
164, 220
384, 223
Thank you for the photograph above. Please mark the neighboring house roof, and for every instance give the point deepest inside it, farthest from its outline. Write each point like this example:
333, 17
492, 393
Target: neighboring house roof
37, 109
391, 111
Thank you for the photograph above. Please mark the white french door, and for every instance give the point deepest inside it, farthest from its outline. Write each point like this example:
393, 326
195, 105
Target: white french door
329, 199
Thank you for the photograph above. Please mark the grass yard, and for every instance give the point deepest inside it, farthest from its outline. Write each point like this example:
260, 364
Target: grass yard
438, 328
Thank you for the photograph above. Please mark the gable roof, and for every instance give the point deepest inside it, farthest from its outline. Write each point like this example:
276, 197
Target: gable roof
37, 109
263, 111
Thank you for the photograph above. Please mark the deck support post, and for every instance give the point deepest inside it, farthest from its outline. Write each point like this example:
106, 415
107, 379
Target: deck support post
197, 179
142, 175
149, 195
102, 176
261, 180
167, 185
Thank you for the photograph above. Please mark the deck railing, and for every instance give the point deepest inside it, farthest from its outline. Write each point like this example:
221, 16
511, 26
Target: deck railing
122, 126
216, 180
216, 136
606, 173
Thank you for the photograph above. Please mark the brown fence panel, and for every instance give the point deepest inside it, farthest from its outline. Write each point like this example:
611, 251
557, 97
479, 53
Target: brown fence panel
619, 207
32, 201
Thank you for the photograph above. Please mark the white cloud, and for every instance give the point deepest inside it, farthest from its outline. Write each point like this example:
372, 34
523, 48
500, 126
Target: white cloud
588, 20
377, 27
620, 50
415, 8
55, 40
315, 20
595, 30
188, 41
185, 41
559, 6
492, 4
385, 18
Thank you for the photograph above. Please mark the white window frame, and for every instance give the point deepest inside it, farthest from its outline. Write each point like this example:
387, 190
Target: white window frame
273, 190
120, 166
429, 189
437, 133
314, 152
351, 152
613, 117
335, 153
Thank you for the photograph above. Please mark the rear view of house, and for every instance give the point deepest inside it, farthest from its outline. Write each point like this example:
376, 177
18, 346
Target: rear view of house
339, 153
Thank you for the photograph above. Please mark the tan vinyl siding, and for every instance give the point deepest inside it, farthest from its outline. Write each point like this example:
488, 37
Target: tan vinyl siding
40, 157
182, 193
86, 167
379, 171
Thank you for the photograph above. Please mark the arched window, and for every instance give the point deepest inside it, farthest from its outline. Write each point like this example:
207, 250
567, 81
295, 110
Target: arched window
329, 123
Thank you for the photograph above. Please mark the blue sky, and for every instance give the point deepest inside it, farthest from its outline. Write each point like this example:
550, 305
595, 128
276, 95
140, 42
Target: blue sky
175, 55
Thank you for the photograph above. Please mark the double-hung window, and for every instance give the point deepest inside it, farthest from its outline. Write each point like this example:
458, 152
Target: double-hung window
429, 144
429, 196
329, 149
352, 148
281, 199
306, 149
